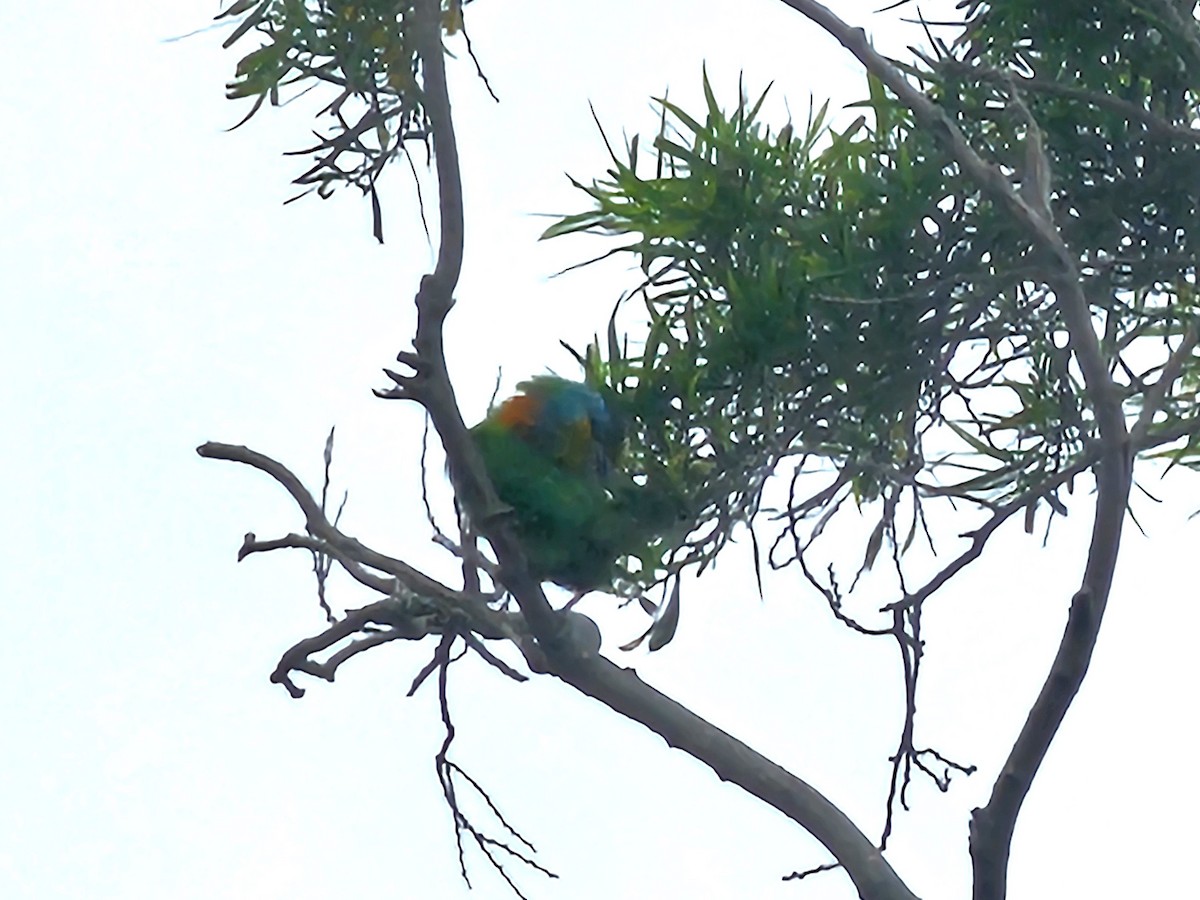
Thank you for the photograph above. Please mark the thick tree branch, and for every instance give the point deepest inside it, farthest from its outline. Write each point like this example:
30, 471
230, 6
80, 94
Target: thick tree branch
623, 691
430, 383
992, 826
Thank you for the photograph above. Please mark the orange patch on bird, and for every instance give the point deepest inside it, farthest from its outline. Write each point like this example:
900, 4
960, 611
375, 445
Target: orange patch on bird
518, 412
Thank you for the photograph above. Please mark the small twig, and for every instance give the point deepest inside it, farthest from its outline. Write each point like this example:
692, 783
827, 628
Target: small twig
1156, 394
478, 68
943, 781
815, 870
251, 545
491, 659
298, 658
1154, 124
322, 560
426, 670
446, 770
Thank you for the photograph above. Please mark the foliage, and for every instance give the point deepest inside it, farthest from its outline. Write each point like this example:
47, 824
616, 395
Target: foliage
850, 298
365, 51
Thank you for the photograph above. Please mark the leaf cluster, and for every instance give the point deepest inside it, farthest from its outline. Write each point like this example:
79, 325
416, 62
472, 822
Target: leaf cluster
849, 298
364, 51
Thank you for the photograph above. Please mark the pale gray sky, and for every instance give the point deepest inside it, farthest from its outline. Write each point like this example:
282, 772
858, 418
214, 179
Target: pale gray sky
155, 294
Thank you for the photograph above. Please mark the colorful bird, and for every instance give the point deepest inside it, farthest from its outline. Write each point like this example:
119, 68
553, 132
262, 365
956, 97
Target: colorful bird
566, 420
549, 451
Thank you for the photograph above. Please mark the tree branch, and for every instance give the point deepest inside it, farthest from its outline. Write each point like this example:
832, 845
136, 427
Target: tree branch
624, 692
319, 526
430, 382
1154, 125
437, 599
1156, 395
573, 657
567, 645
992, 826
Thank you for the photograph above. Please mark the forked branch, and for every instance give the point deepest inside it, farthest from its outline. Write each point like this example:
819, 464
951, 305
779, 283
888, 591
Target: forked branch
992, 826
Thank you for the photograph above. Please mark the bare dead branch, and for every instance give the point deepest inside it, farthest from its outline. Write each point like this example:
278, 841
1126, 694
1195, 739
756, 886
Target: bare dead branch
446, 772
417, 606
322, 561
399, 620
299, 657
320, 527
251, 544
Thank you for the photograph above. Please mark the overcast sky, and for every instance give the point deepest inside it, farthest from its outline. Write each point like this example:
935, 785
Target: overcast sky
156, 294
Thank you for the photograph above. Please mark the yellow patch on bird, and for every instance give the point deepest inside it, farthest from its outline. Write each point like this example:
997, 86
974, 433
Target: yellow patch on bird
578, 447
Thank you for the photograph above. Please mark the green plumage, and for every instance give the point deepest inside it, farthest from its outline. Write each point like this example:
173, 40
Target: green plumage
553, 454
565, 520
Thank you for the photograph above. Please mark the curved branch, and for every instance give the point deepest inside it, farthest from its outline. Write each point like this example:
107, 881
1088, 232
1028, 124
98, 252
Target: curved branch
471, 609
1153, 124
623, 691
430, 383
992, 826
319, 526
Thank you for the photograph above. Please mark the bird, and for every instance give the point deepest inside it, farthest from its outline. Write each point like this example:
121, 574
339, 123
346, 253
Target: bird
551, 451
569, 421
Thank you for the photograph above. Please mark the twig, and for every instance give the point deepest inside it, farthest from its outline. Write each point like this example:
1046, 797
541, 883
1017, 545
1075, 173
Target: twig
1156, 394
298, 658
1154, 124
251, 545
815, 870
446, 770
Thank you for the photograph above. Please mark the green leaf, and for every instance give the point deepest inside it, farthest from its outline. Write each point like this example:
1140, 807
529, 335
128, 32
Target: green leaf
247, 23
977, 444
236, 9
667, 621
